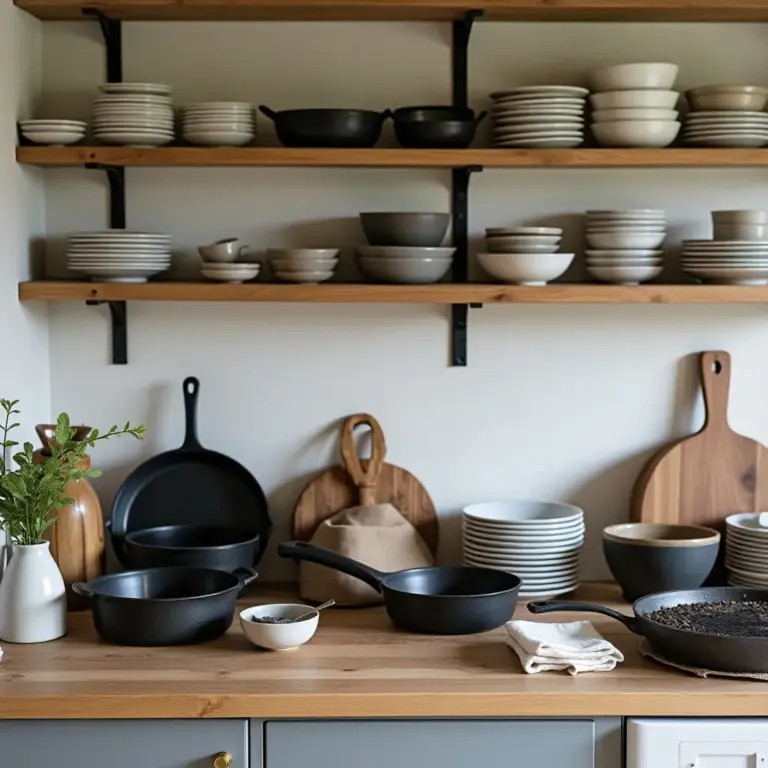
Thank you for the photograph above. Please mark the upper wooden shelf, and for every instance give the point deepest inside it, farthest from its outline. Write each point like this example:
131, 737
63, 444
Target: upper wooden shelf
392, 158
372, 10
366, 293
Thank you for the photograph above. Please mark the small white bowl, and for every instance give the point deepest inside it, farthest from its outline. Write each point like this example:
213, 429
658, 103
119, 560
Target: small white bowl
740, 231
634, 100
523, 231
525, 268
636, 133
625, 240
404, 271
636, 254
610, 115
512, 512
300, 265
743, 98
628, 77
620, 226
279, 637
310, 276
55, 138
624, 274
224, 273
522, 244
739, 217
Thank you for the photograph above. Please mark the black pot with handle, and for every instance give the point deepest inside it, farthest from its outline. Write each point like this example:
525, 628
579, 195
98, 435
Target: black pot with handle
436, 127
350, 128
164, 606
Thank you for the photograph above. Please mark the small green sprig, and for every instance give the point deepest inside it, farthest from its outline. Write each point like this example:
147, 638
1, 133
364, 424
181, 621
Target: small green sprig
30, 494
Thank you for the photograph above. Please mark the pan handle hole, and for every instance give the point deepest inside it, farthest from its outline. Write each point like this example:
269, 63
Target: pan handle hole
364, 448
717, 367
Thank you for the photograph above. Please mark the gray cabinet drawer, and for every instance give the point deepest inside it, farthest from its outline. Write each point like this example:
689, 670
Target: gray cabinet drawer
121, 743
431, 744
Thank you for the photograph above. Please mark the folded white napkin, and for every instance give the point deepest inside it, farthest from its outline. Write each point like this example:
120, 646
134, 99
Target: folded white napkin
575, 645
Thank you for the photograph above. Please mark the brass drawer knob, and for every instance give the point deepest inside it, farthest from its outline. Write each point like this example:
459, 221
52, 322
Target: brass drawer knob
222, 760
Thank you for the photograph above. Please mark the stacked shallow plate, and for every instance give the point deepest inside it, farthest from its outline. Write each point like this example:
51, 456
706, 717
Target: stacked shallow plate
55, 133
303, 265
219, 124
538, 541
727, 116
539, 116
625, 245
134, 114
746, 550
726, 262
117, 256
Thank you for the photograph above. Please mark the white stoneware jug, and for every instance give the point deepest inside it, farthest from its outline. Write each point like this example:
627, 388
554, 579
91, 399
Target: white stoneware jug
33, 602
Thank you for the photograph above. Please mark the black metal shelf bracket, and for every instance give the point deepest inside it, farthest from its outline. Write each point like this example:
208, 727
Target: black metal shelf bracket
116, 180
112, 31
119, 320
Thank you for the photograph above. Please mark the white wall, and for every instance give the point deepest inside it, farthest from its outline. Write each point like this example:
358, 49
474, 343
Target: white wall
24, 364
560, 402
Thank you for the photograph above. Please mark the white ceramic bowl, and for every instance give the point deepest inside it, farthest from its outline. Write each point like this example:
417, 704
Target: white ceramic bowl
300, 265
279, 637
525, 268
308, 275
224, 273
625, 240
523, 231
299, 254
404, 252
53, 137
636, 133
739, 217
413, 271
624, 274
631, 77
740, 231
636, 254
610, 115
218, 138
522, 244
751, 98
622, 226
513, 512
634, 100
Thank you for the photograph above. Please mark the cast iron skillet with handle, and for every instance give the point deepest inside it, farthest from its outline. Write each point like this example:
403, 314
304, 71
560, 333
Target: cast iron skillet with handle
720, 643
190, 486
442, 600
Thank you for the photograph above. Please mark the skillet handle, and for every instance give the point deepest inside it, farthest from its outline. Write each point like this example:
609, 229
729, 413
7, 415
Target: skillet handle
191, 388
270, 113
301, 550
81, 588
549, 606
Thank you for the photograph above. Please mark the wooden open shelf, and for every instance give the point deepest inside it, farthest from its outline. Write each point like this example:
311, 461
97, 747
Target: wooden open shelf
444, 293
180, 157
373, 10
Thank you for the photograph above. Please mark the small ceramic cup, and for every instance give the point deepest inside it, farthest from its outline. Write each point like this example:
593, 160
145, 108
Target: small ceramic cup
279, 637
222, 251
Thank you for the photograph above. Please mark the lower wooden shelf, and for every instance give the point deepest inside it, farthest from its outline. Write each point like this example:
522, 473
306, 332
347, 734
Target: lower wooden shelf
348, 293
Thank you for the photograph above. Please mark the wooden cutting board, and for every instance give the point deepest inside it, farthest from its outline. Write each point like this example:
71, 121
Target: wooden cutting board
365, 481
704, 478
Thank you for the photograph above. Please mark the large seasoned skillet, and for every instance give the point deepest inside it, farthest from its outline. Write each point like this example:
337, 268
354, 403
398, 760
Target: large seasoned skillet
735, 643
434, 601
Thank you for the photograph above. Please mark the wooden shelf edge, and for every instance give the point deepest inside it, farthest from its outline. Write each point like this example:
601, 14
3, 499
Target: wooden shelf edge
422, 10
62, 157
442, 293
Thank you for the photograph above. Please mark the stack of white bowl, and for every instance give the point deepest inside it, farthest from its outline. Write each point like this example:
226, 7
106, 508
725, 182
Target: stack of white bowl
524, 255
303, 265
117, 256
134, 114
738, 254
727, 116
56, 133
219, 124
225, 261
538, 541
539, 116
625, 246
633, 105
746, 549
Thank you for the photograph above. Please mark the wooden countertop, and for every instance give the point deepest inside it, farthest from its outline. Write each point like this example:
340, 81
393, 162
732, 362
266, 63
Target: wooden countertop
355, 666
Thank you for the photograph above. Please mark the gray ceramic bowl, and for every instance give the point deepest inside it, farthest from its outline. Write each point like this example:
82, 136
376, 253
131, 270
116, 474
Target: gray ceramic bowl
409, 229
653, 557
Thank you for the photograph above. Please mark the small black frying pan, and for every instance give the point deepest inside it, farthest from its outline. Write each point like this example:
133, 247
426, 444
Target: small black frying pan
190, 486
446, 600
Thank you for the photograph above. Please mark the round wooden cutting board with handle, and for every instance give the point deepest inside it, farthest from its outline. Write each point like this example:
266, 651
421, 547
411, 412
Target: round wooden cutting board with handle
706, 477
365, 482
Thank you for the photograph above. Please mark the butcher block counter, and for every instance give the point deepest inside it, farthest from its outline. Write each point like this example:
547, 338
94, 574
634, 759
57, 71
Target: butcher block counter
356, 666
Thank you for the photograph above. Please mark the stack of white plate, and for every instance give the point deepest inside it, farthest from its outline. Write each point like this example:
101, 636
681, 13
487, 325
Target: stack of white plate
219, 124
727, 116
625, 245
539, 116
746, 550
56, 133
303, 265
117, 256
538, 541
726, 262
134, 114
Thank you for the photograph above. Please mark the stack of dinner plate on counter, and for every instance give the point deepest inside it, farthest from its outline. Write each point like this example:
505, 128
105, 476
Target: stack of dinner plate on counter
539, 541
117, 256
134, 114
539, 116
746, 549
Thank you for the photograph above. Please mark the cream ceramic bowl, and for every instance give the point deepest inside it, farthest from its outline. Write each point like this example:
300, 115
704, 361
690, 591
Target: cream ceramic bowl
405, 271
404, 252
630, 77
739, 217
624, 274
751, 98
522, 244
308, 275
740, 231
634, 100
525, 268
636, 133
625, 240
279, 637
610, 115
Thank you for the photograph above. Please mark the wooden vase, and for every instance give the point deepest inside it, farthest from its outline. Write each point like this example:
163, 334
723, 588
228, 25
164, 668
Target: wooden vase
77, 536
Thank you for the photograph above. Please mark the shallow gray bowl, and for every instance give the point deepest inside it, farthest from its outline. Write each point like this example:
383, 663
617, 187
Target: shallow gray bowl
409, 229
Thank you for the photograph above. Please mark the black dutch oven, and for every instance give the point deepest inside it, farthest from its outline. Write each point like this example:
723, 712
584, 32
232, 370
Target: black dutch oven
436, 127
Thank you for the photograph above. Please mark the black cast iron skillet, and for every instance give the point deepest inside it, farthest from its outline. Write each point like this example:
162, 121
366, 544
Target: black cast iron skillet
327, 127
225, 549
436, 127
721, 643
164, 606
190, 486
433, 601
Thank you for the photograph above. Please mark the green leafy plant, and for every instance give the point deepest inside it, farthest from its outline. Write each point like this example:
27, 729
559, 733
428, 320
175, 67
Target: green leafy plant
33, 491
